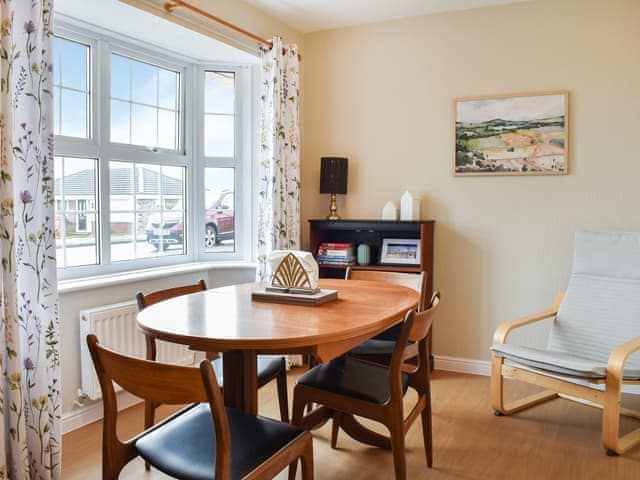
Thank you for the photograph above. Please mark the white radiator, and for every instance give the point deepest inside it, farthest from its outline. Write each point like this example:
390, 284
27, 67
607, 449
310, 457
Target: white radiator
115, 327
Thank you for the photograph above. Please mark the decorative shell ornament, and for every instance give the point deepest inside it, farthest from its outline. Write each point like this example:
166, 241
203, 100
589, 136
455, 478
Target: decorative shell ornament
294, 271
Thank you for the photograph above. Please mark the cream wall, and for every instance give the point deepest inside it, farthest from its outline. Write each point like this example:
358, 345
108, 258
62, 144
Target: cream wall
382, 95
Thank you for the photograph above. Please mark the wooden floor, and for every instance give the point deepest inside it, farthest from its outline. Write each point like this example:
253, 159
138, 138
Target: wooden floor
557, 440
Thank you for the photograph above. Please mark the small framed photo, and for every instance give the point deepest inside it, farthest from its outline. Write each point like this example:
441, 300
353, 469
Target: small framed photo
400, 251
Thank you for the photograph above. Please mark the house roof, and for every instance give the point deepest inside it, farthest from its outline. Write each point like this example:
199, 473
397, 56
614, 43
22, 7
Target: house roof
83, 183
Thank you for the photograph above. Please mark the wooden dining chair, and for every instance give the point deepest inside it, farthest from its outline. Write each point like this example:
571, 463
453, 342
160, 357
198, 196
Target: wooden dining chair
351, 386
380, 348
203, 440
269, 367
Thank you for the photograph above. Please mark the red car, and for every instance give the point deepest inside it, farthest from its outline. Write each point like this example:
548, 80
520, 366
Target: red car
219, 224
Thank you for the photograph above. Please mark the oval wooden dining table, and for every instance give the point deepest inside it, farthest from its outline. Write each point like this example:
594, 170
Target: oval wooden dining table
227, 320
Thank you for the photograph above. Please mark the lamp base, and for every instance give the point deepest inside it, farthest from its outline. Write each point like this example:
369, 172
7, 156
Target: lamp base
333, 209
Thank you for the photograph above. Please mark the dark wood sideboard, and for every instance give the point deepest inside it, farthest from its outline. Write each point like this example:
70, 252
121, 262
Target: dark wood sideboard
372, 232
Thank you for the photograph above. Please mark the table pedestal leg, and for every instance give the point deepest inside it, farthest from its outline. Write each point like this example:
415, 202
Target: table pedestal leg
240, 379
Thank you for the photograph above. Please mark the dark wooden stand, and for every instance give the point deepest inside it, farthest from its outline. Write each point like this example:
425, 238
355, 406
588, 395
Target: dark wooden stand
371, 232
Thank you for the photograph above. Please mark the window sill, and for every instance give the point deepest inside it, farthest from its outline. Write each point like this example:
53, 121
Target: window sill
88, 283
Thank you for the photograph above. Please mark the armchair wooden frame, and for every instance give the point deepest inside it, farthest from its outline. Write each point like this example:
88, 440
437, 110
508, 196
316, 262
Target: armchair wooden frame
177, 385
416, 328
608, 401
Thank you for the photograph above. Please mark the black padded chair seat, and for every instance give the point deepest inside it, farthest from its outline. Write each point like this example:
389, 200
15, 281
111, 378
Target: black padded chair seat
268, 368
391, 333
353, 378
374, 347
185, 448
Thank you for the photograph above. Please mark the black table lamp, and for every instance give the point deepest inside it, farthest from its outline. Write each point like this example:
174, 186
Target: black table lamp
333, 180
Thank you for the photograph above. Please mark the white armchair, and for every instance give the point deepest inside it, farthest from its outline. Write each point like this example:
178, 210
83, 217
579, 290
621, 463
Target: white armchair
594, 341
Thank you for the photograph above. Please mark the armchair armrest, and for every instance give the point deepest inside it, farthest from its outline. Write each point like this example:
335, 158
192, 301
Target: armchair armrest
618, 357
504, 329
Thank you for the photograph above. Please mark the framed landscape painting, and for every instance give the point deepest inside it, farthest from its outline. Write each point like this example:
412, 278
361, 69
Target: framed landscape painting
523, 134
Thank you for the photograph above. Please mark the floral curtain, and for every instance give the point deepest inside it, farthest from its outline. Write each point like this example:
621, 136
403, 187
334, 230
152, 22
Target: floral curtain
29, 327
279, 176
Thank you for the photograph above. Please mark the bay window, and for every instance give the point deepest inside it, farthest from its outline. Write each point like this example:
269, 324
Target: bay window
148, 157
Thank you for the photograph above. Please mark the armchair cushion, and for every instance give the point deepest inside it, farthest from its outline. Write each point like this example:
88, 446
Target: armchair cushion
601, 307
558, 362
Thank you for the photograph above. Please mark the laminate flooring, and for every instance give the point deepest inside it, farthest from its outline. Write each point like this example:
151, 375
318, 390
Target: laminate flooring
557, 440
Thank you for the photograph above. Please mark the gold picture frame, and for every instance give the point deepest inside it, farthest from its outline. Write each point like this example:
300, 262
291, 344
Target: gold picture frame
515, 134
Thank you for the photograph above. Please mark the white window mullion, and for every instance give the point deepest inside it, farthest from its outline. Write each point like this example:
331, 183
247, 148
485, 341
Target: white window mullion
103, 120
193, 137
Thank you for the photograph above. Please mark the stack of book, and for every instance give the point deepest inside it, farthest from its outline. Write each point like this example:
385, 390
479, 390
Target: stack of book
336, 254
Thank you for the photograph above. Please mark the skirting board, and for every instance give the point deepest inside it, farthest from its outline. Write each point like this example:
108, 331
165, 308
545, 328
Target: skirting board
92, 413
462, 365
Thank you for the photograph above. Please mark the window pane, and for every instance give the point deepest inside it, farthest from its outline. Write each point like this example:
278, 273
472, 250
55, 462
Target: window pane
144, 125
147, 210
71, 91
81, 246
167, 129
147, 184
122, 240
168, 89
219, 92
120, 121
218, 134
144, 104
74, 113
144, 83
74, 65
121, 181
219, 215
120, 77
76, 220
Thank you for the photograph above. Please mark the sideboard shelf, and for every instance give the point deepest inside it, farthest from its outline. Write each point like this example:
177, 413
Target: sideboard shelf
372, 232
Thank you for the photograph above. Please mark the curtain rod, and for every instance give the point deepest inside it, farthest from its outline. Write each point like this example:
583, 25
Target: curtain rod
171, 5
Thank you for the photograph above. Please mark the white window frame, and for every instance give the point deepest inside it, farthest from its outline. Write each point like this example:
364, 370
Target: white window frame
190, 153
240, 161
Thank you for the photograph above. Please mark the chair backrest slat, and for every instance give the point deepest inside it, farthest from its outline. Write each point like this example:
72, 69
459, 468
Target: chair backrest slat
601, 307
415, 281
160, 295
415, 328
158, 382
423, 320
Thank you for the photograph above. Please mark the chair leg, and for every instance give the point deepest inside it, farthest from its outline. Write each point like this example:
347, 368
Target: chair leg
296, 419
283, 399
306, 461
497, 385
611, 419
396, 429
149, 420
311, 361
293, 468
335, 429
427, 432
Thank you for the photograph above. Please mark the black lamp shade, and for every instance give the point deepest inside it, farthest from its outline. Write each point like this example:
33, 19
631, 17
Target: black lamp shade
333, 175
